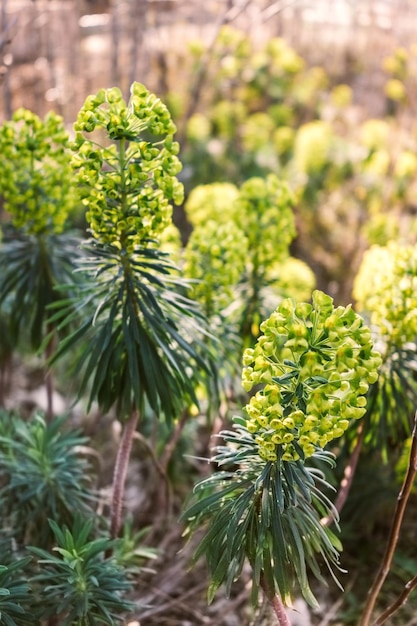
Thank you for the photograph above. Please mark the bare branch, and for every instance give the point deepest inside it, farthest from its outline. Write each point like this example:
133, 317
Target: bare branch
394, 531
399, 602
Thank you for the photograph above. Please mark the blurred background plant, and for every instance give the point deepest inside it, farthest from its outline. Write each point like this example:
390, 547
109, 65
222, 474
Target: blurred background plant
37, 251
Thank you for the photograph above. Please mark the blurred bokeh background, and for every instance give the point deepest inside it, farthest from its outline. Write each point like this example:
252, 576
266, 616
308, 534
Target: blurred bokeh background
55, 52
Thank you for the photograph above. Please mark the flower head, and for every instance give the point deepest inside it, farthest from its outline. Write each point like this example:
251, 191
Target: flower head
314, 364
215, 257
386, 287
127, 186
35, 172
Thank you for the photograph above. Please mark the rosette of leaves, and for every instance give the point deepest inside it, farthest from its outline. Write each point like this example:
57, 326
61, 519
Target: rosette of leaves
77, 582
310, 370
43, 475
36, 254
385, 291
140, 333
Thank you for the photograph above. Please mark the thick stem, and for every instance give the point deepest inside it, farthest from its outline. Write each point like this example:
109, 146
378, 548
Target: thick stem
120, 473
276, 604
394, 531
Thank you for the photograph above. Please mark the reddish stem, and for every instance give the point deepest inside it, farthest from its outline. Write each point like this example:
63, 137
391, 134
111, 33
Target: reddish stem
120, 473
276, 604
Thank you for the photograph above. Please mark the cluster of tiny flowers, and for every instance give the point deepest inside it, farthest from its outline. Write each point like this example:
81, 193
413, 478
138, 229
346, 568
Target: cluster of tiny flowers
264, 212
215, 257
314, 364
211, 202
312, 146
127, 186
386, 288
35, 172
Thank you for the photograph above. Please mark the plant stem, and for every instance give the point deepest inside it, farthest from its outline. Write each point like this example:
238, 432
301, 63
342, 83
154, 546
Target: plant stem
394, 531
276, 604
120, 473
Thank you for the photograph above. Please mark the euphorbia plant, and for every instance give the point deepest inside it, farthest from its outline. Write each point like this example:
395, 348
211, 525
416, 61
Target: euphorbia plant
262, 210
139, 332
308, 373
37, 253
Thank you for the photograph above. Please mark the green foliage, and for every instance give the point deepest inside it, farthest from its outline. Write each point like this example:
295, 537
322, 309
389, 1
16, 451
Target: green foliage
36, 187
130, 552
310, 371
42, 476
139, 331
268, 513
32, 268
83, 586
16, 599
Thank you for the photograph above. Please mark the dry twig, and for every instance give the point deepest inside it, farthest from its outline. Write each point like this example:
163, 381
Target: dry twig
394, 532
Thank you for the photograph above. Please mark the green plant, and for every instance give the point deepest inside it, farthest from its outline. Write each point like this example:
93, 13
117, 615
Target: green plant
260, 215
43, 475
36, 255
142, 346
79, 584
309, 371
16, 601
385, 292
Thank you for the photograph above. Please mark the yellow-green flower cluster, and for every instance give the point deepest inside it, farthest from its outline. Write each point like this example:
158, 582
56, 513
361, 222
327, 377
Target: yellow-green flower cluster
264, 212
127, 186
312, 146
257, 131
386, 287
211, 202
215, 256
292, 278
35, 172
314, 364
283, 58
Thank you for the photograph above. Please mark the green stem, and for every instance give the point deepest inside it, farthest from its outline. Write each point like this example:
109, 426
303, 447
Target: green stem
394, 531
120, 473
